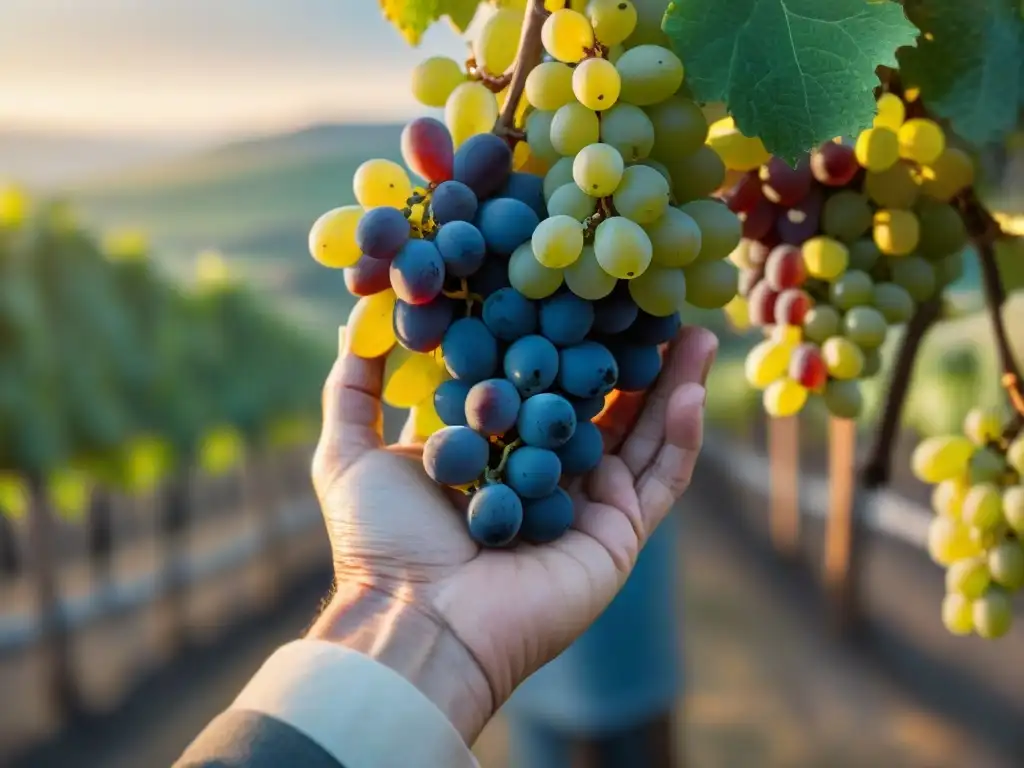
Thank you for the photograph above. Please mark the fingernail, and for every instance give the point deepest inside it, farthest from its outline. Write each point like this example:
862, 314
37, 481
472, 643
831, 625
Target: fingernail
342, 338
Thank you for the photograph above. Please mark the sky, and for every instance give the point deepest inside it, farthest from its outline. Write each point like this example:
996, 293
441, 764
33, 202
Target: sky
211, 68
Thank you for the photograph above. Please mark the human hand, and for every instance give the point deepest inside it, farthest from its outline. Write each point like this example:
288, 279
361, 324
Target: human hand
465, 624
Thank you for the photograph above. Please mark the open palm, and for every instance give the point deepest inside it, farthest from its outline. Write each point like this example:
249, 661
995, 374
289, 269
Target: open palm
395, 530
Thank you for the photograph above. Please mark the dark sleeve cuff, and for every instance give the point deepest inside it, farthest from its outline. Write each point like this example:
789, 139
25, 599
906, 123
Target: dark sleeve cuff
240, 738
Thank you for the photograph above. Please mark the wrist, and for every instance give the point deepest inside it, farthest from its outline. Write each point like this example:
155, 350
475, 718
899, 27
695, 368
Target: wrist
420, 647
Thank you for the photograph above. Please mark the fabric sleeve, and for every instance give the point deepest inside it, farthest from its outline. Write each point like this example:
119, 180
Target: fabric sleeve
356, 711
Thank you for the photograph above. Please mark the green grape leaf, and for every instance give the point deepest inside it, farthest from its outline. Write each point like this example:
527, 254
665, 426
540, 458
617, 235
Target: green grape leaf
460, 13
411, 17
968, 65
794, 73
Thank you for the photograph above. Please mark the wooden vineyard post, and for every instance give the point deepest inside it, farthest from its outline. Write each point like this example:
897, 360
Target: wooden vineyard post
101, 539
172, 532
55, 641
784, 488
842, 527
10, 561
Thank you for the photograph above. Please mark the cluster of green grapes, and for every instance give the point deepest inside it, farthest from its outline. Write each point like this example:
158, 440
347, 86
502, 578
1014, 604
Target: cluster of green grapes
841, 247
978, 531
629, 171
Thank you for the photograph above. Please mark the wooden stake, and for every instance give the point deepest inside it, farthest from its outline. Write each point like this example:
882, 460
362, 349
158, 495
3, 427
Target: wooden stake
61, 684
841, 530
784, 498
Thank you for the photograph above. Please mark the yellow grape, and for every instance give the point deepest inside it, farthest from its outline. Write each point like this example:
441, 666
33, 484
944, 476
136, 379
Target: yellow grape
410, 377
598, 169
496, 45
471, 109
921, 140
948, 498
942, 458
737, 311
549, 86
948, 176
957, 614
877, 149
968, 577
783, 398
622, 248
1013, 508
556, 5
382, 182
983, 425
586, 278
891, 112
573, 128
613, 20
992, 614
434, 79
825, 258
893, 188
424, 417
738, 152
896, 232
843, 358
596, 84
788, 336
765, 363
659, 291
983, 506
566, 35
1006, 564
370, 331
332, 239
949, 541
558, 241
530, 277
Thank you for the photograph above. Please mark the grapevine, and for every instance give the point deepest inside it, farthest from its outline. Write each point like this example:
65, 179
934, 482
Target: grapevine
604, 165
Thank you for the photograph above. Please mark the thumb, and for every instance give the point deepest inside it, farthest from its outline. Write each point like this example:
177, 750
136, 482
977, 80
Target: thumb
352, 413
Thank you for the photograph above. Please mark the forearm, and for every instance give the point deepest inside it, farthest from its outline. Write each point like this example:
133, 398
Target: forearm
414, 644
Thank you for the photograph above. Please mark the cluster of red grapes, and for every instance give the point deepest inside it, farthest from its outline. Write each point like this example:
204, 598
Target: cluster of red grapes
839, 248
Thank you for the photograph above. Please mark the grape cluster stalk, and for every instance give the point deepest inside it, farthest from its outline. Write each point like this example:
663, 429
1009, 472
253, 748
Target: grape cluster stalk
852, 240
542, 262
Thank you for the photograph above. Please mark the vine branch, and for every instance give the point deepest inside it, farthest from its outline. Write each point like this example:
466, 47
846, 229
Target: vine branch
878, 467
531, 49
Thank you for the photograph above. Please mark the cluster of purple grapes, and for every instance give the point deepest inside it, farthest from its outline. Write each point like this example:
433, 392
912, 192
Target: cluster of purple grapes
527, 377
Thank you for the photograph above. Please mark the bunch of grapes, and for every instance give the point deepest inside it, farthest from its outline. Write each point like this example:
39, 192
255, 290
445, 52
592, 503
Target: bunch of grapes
510, 305
839, 248
978, 531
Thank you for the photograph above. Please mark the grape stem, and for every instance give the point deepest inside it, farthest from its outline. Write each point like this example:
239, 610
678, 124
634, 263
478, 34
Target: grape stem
493, 83
877, 469
494, 475
531, 49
